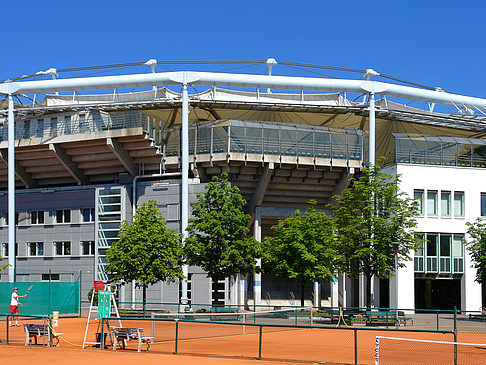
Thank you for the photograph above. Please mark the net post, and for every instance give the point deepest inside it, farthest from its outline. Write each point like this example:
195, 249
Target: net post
311, 318
176, 334
355, 346
455, 335
260, 343
377, 350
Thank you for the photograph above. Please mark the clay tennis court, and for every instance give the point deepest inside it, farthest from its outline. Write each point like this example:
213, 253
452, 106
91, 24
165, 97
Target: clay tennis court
210, 343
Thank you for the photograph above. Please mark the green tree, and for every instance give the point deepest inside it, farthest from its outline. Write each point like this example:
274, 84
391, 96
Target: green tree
147, 251
303, 247
374, 225
217, 232
477, 247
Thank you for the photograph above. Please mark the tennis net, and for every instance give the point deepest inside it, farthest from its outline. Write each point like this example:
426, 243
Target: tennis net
404, 351
205, 325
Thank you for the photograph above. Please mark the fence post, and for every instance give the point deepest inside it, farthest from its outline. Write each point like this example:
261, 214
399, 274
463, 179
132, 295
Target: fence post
8, 325
455, 335
80, 291
437, 311
260, 344
176, 334
355, 346
50, 331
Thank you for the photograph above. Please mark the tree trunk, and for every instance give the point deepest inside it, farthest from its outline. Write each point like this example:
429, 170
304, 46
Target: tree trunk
302, 291
368, 291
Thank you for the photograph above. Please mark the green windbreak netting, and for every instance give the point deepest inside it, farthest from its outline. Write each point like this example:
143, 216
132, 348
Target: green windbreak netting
43, 299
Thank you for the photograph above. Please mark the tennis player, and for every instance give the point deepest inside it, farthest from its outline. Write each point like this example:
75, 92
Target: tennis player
14, 305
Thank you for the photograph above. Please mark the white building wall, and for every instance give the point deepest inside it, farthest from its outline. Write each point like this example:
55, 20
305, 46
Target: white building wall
472, 181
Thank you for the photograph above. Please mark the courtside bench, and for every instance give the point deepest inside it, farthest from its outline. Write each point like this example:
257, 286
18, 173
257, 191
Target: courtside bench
34, 330
384, 318
128, 334
225, 310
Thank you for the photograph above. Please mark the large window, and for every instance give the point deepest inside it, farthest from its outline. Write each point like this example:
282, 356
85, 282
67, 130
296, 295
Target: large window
37, 217
445, 203
483, 204
418, 195
431, 252
50, 277
459, 204
40, 128
443, 254
35, 248
62, 248
87, 248
67, 122
432, 203
88, 214
63, 216
53, 130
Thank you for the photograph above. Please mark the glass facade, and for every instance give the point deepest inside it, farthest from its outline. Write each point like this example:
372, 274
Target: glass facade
251, 137
438, 150
442, 253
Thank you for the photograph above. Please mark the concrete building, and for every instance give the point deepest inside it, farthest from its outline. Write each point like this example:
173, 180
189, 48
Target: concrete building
83, 163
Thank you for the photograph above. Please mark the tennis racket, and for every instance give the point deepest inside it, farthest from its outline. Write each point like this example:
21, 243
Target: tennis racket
30, 288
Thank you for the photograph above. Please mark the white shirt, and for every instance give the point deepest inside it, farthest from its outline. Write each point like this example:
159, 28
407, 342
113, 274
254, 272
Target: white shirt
15, 299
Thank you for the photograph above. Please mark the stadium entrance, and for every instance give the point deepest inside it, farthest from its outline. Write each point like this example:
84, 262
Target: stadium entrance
437, 293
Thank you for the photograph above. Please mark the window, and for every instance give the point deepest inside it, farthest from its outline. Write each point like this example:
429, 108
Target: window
88, 214
172, 212
63, 216
418, 259
37, 217
67, 121
458, 204
50, 277
445, 203
432, 203
445, 252
483, 204
40, 128
35, 248
4, 252
418, 195
26, 132
458, 253
62, 248
53, 131
87, 248
83, 127
431, 252
17, 216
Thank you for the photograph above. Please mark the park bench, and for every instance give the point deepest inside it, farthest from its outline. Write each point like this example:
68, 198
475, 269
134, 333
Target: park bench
224, 310
34, 330
377, 317
127, 334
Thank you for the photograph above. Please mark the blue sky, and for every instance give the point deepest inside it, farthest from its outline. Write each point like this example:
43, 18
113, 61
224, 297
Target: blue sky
437, 43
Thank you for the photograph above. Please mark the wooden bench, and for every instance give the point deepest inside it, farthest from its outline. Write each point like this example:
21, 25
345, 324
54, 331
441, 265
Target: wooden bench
33, 330
127, 334
224, 310
376, 317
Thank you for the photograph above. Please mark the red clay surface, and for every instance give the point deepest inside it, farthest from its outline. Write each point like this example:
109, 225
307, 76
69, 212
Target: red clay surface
216, 344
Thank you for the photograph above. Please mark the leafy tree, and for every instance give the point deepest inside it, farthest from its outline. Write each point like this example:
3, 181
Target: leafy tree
477, 247
147, 251
217, 239
374, 223
303, 247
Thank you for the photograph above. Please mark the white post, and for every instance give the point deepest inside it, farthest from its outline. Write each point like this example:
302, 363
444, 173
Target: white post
257, 277
335, 291
11, 190
371, 160
317, 301
185, 183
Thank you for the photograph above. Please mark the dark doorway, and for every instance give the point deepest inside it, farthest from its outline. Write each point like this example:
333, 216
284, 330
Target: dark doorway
354, 292
384, 293
437, 293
